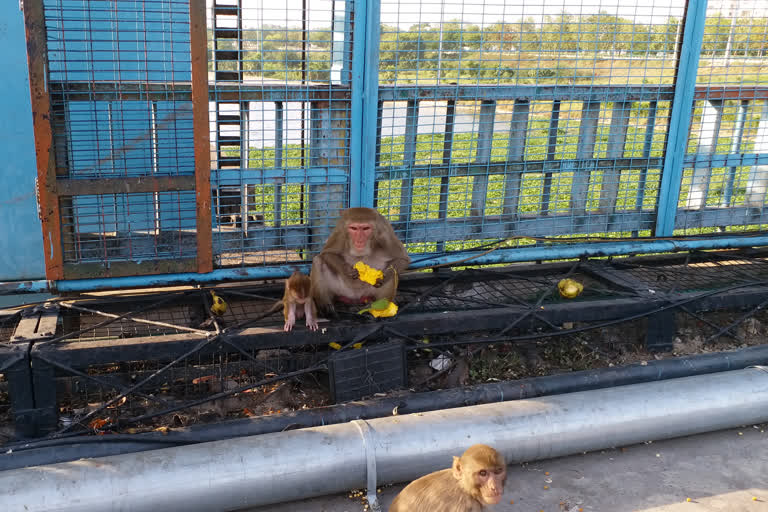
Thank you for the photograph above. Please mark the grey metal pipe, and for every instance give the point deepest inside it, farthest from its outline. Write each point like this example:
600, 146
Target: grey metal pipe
286, 466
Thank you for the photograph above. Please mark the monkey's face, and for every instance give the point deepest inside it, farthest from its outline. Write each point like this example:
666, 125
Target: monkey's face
491, 484
359, 234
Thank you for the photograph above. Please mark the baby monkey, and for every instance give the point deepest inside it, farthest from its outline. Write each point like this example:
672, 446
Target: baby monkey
297, 293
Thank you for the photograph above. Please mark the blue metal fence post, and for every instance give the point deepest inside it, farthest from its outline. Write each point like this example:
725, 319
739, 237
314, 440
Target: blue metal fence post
365, 95
680, 116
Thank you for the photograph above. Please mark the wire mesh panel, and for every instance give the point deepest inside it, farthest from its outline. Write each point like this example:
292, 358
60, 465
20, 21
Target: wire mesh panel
494, 120
531, 118
119, 77
280, 118
726, 169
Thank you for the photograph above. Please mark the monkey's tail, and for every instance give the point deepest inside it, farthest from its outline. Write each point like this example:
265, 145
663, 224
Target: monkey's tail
396, 278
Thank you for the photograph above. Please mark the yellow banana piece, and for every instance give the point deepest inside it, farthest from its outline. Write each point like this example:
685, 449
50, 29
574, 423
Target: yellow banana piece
570, 288
381, 308
219, 306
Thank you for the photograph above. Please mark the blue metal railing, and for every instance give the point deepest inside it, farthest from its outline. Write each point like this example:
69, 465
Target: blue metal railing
461, 132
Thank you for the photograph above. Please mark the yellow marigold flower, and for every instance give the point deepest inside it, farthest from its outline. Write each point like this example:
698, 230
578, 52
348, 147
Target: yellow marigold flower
368, 274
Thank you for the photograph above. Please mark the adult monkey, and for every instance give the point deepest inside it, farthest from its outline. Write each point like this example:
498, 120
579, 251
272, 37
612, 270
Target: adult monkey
361, 234
475, 479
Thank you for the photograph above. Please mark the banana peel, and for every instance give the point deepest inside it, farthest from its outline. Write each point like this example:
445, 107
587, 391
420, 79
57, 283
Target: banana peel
381, 308
569, 288
368, 274
219, 306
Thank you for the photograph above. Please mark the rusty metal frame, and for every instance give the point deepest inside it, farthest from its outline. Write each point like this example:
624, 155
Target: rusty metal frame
68, 187
199, 49
54, 188
47, 194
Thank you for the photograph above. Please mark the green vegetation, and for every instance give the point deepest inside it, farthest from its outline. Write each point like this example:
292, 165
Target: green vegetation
426, 190
564, 48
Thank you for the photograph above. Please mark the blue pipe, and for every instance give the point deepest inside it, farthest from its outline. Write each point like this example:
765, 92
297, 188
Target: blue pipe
510, 255
356, 156
680, 117
365, 98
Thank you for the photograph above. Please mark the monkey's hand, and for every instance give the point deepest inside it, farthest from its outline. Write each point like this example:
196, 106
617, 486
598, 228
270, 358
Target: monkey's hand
311, 324
289, 320
352, 272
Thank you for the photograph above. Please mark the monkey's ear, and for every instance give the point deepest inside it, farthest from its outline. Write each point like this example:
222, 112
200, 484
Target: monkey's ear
456, 468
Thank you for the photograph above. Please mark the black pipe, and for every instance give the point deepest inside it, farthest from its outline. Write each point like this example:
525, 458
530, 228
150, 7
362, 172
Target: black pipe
18, 455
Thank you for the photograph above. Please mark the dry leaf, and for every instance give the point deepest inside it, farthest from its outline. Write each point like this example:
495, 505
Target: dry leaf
118, 403
98, 423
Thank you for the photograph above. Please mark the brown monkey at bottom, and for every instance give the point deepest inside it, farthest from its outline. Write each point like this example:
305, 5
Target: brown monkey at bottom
475, 480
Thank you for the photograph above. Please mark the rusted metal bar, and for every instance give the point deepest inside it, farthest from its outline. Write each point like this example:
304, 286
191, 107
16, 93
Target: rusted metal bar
589, 93
141, 184
89, 270
734, 92
47, 196
199, 48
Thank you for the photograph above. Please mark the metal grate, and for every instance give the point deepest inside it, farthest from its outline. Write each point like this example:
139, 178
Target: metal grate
280, 121
506, 119
462, 121
484, 289
121, 121
8, 326
183, 315
723, 187
704, 275
369, 370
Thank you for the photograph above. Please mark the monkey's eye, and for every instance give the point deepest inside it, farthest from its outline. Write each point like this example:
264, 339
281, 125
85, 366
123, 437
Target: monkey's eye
483, 473
499, 471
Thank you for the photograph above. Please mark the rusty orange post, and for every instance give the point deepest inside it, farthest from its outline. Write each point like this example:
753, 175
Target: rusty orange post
47, 196
199, 48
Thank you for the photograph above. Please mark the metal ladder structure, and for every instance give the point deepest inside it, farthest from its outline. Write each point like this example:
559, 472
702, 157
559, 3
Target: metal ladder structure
231, 117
